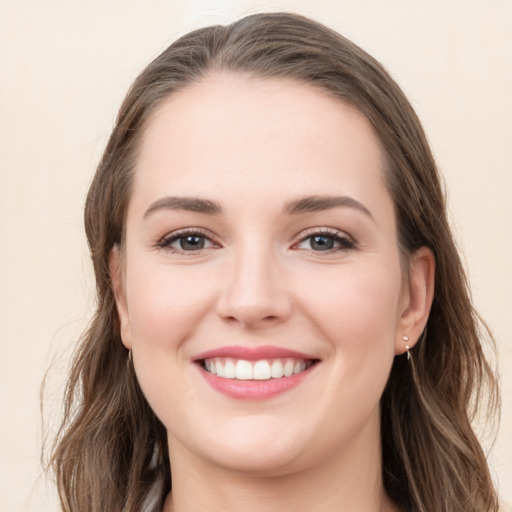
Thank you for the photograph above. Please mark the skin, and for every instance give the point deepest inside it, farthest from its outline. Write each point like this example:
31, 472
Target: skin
254, 146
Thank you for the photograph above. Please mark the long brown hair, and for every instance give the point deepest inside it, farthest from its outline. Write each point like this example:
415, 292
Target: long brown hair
111, 450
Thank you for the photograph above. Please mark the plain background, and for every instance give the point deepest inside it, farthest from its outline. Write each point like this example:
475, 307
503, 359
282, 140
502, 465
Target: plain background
65, 67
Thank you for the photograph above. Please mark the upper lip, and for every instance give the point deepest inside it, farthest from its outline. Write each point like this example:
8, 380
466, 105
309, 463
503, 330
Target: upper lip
252, 353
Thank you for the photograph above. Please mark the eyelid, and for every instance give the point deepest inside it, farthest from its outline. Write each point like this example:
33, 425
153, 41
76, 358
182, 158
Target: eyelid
165, 241
339, 236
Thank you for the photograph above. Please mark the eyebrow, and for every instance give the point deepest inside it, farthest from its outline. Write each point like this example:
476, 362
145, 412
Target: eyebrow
189, 204
296, 207
319, 203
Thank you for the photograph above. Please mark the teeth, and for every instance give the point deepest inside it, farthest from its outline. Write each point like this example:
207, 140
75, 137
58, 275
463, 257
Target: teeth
288, 368
243, 370
261, 370
300, 366
276, 370
255, 370
229, 369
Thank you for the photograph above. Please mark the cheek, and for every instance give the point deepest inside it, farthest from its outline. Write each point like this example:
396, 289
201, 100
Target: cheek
358, 316
357, 307
164, 304
165, 308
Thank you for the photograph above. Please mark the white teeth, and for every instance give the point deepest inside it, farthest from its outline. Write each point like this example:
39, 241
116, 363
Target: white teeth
255, 370
243, 370
262, 370
276, 371
229, 369
288, 368
300, 366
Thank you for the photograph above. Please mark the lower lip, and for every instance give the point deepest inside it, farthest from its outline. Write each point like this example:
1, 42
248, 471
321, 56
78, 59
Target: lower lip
254, 389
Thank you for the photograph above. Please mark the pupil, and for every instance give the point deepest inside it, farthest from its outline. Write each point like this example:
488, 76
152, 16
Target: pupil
322, 243
192, 242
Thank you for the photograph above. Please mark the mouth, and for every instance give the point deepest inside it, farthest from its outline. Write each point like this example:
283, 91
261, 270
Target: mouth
262, 369
254, 373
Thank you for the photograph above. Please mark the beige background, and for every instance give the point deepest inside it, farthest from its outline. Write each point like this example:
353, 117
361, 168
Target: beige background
65, 66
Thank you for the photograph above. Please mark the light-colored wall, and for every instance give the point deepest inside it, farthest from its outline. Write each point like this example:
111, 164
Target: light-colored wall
65, 66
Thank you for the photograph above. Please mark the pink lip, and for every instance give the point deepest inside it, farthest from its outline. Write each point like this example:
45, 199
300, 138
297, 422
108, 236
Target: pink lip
253, 389
252, 353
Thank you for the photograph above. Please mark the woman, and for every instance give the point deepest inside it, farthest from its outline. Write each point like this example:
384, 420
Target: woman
283, 319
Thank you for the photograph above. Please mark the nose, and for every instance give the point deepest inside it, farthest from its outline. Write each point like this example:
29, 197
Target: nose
254, 291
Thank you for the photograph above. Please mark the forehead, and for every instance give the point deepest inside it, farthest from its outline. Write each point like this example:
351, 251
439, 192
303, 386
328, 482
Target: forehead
245, 135
233, 101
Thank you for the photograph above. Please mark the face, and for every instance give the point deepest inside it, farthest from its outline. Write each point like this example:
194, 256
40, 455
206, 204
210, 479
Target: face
261, 291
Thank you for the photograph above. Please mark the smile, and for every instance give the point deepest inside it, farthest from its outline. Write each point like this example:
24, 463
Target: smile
254, 373
264, 369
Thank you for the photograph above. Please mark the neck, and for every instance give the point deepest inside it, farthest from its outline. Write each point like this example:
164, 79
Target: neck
352, 482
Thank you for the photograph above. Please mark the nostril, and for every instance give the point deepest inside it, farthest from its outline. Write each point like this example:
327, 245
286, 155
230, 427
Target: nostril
253, 301
252, 320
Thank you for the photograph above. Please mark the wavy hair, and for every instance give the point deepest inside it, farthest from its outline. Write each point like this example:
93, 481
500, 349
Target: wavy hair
111, 450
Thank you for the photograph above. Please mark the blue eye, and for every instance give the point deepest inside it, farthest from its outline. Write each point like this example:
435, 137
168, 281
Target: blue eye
185, 241
321, 242
191, 242
325, 242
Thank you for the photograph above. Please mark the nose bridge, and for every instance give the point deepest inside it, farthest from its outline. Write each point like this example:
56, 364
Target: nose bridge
254, 292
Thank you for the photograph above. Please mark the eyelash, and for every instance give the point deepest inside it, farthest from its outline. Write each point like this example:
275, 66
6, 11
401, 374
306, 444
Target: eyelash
345, 243
167, 240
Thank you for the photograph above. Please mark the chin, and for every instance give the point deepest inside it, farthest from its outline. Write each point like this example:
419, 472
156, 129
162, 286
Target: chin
268, 462
264, 447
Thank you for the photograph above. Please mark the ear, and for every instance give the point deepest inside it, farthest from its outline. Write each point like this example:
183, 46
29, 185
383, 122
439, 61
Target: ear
417, 296
115, 266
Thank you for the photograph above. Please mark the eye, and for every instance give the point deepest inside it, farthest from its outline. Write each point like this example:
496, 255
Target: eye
186, 241
325, 240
